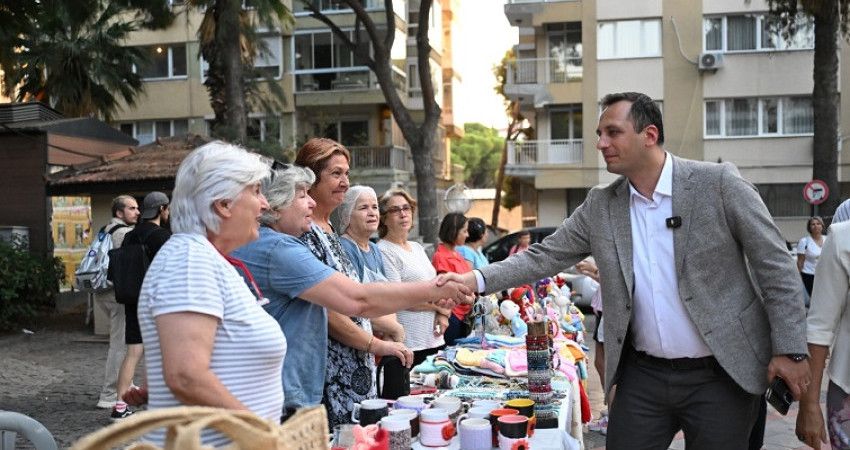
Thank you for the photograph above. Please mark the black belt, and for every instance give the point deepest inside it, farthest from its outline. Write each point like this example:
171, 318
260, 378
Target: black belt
706, 362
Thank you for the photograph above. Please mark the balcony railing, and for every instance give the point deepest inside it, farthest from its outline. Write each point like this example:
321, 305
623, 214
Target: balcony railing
556, 151
544, 70
344, 79
380, 157
332, 6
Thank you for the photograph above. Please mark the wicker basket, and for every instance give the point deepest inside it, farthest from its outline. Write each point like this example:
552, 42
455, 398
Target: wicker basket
306, 430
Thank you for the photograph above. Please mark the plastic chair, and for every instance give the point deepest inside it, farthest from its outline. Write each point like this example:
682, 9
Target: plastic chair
12, 423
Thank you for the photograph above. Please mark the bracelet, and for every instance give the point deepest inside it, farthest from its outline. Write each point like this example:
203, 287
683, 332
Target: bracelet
369, 345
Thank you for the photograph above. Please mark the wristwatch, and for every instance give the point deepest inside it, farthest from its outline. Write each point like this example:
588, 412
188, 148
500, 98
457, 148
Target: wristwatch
797, 357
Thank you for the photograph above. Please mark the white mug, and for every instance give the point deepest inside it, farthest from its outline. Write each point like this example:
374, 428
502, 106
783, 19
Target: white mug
475, 434
450, 404
369, 412
492, 404
399, 430
476, 412
413, 402
434, 427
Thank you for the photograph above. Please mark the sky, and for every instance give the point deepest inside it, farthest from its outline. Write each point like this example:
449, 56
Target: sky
485, 36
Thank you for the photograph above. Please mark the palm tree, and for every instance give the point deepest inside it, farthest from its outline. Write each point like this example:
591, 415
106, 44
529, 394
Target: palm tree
71, 56
228, 44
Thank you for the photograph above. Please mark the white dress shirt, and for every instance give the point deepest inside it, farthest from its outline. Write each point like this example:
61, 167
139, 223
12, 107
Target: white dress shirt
660, 324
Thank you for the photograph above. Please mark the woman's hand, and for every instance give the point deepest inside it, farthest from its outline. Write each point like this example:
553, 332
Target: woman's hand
441, 322
389, 348
810, 427
136, 396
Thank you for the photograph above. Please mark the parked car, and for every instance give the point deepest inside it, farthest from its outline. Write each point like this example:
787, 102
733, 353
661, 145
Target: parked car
499, 249
583, 286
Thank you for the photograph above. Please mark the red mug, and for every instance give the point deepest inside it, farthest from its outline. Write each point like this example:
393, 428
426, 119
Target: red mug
494, 420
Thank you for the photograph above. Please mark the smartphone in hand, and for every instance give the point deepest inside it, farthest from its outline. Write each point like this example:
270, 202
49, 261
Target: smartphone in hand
779, 395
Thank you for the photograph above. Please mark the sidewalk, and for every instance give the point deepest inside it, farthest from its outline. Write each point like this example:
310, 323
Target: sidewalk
778, 435
55, 374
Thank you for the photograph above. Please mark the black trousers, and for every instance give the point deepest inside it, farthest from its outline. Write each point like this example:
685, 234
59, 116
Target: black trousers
655, 401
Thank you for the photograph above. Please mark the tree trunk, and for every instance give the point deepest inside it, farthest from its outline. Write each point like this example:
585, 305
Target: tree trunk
500, 177
228, 43
825, 105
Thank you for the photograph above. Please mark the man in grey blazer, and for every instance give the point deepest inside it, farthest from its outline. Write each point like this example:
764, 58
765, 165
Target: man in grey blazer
690, 342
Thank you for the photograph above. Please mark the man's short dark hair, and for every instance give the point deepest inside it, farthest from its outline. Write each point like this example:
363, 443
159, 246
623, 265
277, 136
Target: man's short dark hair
451, 226
643, 113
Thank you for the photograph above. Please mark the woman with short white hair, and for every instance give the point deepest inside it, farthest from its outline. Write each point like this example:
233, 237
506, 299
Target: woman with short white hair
207, 341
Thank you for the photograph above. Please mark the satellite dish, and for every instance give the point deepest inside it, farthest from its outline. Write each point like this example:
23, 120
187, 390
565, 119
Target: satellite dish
458, 199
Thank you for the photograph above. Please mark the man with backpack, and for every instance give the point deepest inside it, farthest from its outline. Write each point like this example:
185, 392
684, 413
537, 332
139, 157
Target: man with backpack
125, 213
141, 244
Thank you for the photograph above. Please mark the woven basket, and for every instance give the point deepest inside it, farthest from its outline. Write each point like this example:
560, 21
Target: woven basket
306, 430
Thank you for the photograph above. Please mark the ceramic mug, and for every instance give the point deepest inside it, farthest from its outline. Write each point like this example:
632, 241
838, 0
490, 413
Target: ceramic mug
435, 429
452, 405
413, 402
398, 427
475, 434
477, 412
492, 404
525, 406
412, 416
515, 426
494, 421
369, 412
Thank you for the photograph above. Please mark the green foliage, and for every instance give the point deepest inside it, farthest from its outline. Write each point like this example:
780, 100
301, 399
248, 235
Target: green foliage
72, 54
479, 151
511, 187
28, 283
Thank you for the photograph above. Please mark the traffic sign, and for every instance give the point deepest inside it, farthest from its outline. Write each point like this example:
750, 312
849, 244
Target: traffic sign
816, 192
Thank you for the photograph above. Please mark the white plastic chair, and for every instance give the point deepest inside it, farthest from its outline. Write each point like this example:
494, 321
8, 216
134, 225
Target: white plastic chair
12, 423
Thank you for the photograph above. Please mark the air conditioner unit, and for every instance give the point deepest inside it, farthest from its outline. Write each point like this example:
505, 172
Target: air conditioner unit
710, 61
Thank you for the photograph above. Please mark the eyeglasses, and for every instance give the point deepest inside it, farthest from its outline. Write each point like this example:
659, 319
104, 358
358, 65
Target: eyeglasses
397, 210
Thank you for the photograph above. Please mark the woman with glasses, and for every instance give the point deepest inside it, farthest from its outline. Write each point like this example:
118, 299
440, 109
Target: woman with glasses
406, 260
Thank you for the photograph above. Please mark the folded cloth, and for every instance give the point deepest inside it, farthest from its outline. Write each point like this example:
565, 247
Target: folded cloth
517, 363
500, 341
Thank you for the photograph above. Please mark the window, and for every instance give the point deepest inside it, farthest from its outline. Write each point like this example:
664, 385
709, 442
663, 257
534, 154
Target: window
321, 50
269, 56
565, 122
264, 129
629, 39
565, 50
166, 61
771, 116
146, 131
351, 133
755, 32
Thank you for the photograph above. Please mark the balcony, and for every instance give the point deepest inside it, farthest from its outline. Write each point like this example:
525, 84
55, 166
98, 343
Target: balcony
344, 79
531, 154
380, 157
523, 12
528, 79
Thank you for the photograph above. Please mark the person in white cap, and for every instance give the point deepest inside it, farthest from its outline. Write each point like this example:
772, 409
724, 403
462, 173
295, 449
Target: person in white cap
152, 233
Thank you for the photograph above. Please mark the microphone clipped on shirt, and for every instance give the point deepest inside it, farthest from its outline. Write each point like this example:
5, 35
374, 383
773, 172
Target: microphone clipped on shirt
674, 222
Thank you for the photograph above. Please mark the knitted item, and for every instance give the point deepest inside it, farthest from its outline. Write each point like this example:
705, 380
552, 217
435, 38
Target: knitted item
370, 437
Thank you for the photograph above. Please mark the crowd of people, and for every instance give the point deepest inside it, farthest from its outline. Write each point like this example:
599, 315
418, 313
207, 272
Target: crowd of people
258, 302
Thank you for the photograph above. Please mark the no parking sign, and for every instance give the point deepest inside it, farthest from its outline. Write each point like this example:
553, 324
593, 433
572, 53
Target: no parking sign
816, 192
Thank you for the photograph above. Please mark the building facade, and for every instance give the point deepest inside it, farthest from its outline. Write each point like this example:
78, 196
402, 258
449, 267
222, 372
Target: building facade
328, 89
729, 86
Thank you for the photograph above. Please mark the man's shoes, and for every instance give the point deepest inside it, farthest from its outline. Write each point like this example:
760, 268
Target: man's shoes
118, 415
106, 404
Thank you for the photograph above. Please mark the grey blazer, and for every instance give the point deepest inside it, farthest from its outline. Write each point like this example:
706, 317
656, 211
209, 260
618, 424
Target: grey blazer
725, 226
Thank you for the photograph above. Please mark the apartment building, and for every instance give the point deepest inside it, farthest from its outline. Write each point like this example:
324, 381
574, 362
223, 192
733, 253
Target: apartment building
730, 88
328, 89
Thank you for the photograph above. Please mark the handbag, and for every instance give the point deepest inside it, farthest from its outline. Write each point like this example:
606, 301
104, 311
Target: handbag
393, 378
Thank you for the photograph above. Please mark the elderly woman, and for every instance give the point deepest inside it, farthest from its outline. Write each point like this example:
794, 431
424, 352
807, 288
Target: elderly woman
206, 339
406, 260
358, 219
447, 259
350, 374
300, 288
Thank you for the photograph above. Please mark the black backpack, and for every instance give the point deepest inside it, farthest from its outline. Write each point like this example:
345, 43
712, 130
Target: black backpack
128, 265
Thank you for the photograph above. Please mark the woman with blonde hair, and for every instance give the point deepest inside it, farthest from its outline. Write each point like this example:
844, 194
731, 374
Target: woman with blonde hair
406, 260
